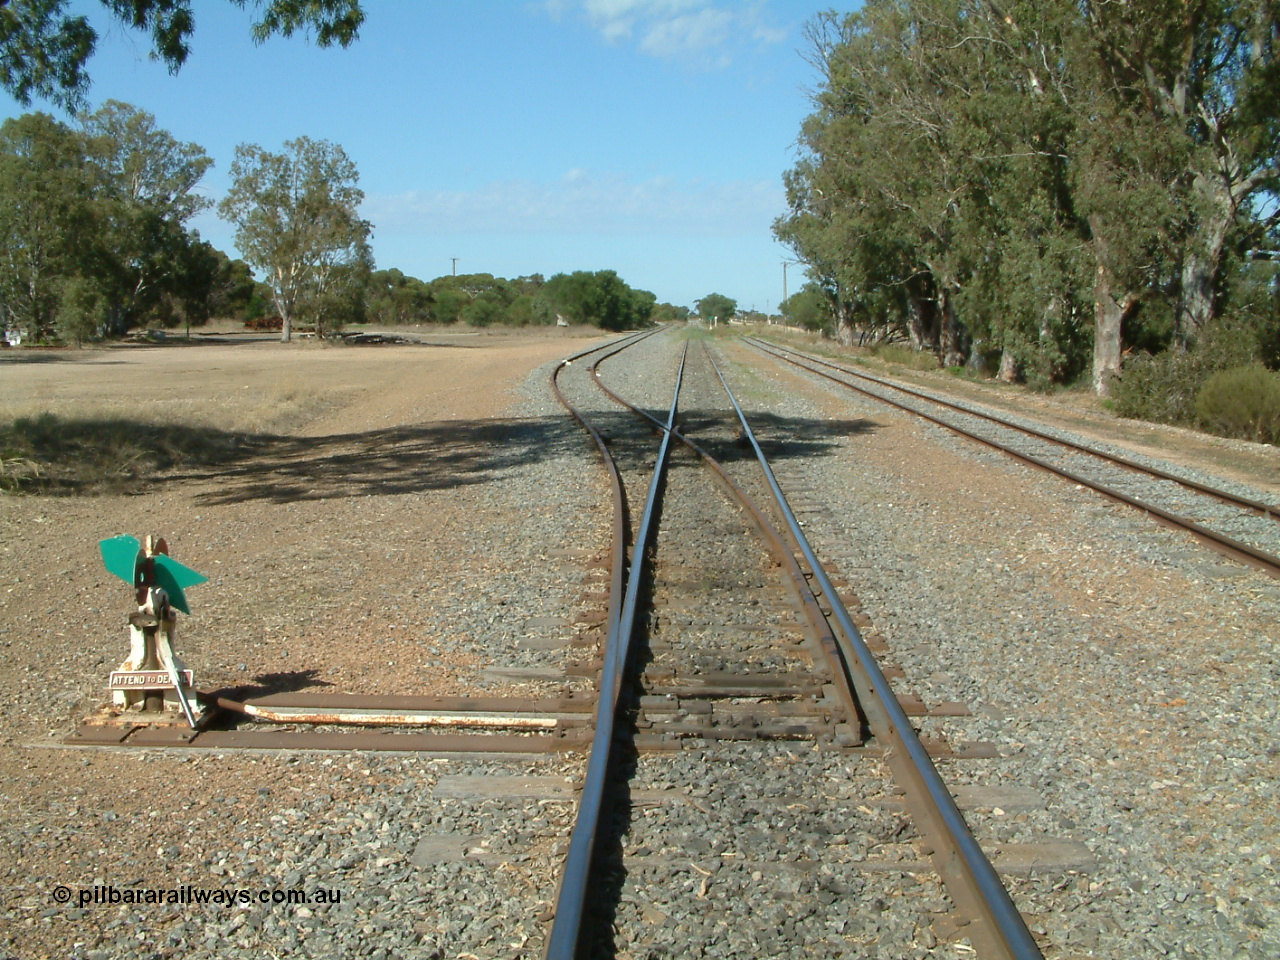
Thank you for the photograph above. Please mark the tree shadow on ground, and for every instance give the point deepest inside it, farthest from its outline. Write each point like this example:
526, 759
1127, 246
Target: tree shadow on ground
43, 356
265, 684
53, 455
49, 454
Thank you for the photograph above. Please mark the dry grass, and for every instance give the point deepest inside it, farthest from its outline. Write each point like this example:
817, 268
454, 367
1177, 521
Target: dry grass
111, 420
81, 444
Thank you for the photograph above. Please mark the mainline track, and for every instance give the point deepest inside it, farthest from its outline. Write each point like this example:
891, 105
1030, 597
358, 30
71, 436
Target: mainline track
841, 658
1089, 465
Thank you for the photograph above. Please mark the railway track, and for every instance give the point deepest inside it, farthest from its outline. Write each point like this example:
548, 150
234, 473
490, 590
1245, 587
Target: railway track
1241, 527
747, 755
751, 807
753, 767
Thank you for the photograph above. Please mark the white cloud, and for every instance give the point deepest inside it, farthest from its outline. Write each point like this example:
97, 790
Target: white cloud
582, 203
688, 34
697, 30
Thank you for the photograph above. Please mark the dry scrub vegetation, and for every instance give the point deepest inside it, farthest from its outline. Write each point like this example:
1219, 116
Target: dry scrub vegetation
106, 421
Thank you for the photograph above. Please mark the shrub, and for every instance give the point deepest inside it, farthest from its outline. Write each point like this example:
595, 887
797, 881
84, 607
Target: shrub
904, 356
1161, 388
1243, 402
1164, 387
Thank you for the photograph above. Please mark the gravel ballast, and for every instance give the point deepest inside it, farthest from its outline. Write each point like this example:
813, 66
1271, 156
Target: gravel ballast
1125, 675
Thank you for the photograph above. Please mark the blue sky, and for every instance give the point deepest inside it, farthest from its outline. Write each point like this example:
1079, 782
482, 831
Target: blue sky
644, 136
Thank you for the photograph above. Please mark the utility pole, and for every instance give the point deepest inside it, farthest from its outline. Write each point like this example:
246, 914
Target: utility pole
784, 293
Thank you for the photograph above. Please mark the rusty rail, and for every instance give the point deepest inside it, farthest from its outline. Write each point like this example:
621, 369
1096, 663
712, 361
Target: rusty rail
566, 929
1220, 542
996, 927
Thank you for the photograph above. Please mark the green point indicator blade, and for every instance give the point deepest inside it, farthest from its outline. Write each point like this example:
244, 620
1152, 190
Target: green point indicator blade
173, 576
184, 576
120, 556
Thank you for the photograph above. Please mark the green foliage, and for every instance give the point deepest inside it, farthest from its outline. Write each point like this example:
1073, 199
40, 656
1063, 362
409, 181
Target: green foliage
1043, 180
447, 302
1242, 402
43, 50
391, 297
526, 310
1160, 387
102, 208
297, 219
1163, 387
481, 299
669, 313
81, 310
338, 297
717, 307
46, 221
259, 305
810, 307
233, 289
483, 312
477, 298
600, 299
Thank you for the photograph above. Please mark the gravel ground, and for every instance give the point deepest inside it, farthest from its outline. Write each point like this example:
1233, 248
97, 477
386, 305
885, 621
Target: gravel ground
367, 546
1258, 531
1125, 674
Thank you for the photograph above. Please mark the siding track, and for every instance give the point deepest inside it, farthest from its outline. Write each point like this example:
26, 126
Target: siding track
1238, 526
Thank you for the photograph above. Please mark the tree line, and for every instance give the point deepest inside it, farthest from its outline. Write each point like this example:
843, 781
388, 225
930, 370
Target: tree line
45, 49
95, 241
1052, 189
599, 298
94, 236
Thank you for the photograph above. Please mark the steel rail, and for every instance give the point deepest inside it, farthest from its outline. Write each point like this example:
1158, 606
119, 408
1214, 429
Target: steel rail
618, 553
1270, 511
777, 546
1227, 546
566, 928
998, 929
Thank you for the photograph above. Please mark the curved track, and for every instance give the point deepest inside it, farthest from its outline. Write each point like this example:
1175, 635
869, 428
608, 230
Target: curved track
716, 664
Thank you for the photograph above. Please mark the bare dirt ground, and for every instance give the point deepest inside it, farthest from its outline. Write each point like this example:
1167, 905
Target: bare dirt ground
322, 489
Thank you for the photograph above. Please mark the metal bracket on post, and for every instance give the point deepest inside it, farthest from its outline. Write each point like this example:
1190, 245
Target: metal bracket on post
152, 667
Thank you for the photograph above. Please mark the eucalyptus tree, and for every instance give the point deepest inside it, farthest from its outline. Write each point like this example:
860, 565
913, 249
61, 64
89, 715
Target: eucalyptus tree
973, 163
145, 194
600, 298
44, 47
838, 224
888, 203
716, 307
1205, 71
297, 219
45, 221
808, 307
394, 297
1026, 293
